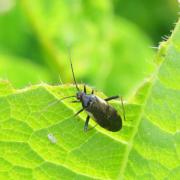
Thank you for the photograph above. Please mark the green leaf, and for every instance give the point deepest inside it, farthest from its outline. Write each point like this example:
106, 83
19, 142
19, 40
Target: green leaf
98, 40
157, 24
24, 131
155, 146
147, 147
21, 71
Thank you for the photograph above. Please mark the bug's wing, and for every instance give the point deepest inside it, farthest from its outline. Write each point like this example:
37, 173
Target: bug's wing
105, 115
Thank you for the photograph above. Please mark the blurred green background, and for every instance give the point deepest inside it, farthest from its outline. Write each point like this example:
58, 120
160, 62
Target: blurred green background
111, 41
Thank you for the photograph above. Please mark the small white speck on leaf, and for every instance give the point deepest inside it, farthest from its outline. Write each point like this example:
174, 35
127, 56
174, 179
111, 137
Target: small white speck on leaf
52, 138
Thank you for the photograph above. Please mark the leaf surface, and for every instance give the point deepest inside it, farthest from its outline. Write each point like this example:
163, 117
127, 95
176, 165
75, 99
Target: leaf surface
147, 147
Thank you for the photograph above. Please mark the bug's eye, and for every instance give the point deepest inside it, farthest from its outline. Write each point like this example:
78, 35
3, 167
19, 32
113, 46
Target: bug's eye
78, 95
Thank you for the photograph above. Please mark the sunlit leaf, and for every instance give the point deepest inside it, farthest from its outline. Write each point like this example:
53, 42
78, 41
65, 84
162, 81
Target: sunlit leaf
51, 144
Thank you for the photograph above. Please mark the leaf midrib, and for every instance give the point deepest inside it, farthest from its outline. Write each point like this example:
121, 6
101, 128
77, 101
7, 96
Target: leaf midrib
135, 130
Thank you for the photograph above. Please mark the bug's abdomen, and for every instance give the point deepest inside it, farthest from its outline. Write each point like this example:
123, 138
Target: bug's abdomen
106, 116
114, 120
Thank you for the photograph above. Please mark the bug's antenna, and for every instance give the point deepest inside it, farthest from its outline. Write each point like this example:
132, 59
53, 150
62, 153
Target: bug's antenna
123, 108
55, 102
69, 52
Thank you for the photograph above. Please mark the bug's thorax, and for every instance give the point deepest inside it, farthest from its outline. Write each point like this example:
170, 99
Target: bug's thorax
88, 99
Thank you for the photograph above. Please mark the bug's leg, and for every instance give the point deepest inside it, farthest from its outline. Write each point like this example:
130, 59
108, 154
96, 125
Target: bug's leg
75, 101
123, 108
115, 97
92, 92
84, 88
110, 98
92, 127
79, 112
86, 123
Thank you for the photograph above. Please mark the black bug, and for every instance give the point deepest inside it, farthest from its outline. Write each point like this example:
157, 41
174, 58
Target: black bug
97, 108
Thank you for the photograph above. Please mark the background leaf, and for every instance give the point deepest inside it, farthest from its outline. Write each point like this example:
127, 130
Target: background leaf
153, 22
11, 66
41, 31
111, 44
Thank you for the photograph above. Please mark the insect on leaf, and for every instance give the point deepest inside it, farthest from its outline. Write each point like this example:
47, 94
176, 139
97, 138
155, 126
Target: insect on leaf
147, 147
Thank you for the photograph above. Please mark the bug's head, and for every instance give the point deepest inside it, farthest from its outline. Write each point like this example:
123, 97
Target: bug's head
79, 95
